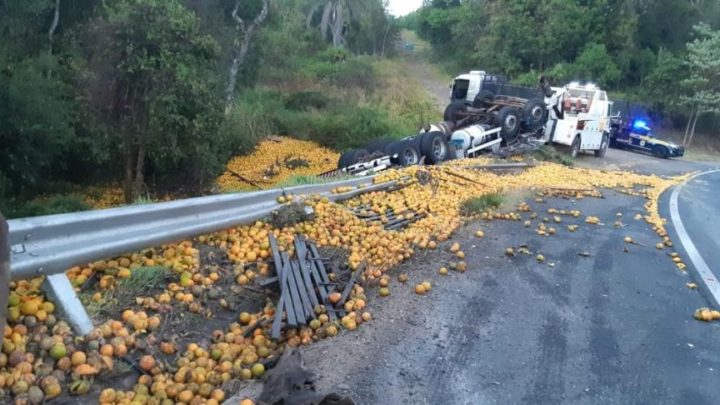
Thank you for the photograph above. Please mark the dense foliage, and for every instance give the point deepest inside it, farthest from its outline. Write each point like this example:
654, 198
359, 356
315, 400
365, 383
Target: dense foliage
136, 90
641, 49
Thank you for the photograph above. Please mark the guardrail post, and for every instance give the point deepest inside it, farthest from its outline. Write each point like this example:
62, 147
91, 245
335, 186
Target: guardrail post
59, 290
4, 270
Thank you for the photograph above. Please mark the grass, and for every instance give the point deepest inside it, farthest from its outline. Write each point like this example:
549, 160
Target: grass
700, 155
547, 153
142, 282
142, 200
57, 204
309, 180
478, 205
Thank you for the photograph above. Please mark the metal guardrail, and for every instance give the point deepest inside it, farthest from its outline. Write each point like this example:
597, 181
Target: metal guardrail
48, 245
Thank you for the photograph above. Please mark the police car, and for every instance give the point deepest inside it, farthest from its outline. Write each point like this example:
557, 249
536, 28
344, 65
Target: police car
638, 136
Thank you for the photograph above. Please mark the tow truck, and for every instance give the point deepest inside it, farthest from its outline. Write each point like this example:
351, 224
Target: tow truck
638, 136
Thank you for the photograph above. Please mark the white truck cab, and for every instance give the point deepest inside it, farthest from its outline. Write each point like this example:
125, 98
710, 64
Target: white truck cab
579, 118
467, 86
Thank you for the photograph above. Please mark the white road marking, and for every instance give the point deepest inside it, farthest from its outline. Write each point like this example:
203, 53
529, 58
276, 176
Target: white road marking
711, 282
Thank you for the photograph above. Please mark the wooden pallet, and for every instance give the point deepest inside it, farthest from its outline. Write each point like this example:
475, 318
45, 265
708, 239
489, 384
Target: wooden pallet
304, 284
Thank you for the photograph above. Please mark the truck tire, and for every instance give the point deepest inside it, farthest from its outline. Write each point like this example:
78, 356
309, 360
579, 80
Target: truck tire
434, 147
406, 151
452, 111
508, 119
603, 146
575, 147
484, 99
535, 114
378, 145
351, 157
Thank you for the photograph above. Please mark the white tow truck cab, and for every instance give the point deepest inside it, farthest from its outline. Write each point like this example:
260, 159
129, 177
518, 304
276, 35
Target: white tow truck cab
579, 118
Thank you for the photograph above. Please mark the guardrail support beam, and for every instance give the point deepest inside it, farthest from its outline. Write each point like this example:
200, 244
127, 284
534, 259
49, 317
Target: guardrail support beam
61, 292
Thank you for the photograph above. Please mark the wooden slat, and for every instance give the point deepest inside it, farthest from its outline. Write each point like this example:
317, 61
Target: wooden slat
319, 263
268, 281
283, 307
301, 252
290, 310
294, 294
302, 289
351, 283
285, 302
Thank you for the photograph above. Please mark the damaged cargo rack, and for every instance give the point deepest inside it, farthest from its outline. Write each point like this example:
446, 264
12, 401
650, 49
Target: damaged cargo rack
305, 285
390, 219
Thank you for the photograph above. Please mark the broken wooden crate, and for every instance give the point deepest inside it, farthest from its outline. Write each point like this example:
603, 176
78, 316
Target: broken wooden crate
304, 284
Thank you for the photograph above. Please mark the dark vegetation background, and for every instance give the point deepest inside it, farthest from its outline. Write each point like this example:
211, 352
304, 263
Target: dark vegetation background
144, 92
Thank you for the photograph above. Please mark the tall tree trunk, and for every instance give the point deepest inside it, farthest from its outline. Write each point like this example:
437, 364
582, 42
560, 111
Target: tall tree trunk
138, 187
242, 47
311, 15
54, 24
338, 25
129, 163
692, 130
688, 125
384, 41
325, 21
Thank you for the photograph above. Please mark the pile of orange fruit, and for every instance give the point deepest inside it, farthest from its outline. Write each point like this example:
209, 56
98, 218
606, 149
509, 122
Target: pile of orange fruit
275, 160
41, 358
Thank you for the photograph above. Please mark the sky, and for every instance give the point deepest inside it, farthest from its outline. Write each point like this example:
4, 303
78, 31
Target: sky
400, 8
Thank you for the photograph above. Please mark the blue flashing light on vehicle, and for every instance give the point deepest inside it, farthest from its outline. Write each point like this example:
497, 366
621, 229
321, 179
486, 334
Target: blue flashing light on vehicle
640, 124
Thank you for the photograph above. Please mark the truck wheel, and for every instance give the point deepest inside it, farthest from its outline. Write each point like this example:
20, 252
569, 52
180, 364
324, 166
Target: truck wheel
484, 99
434, 147
452, 111
508, 119
406, 151
351, 157
378, 145
575, 147
535, 114
660, 151
603, 146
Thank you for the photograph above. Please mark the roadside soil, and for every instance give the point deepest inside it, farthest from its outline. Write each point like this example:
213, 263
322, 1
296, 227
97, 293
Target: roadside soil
427, 75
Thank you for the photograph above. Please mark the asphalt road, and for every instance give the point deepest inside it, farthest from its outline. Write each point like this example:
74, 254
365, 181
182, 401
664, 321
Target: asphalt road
612, 328
620, 159
696, 225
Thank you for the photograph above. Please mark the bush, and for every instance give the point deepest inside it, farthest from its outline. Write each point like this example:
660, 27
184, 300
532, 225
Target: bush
44, 206
548, 153
347, 72
478, 205
252, 118
303, 100
340, 127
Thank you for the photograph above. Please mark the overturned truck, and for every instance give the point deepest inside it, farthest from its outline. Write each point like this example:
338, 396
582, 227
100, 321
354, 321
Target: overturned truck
486, 113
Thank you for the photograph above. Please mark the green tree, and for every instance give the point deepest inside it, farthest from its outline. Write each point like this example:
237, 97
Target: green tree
154, 76
35, 105
703, 82
663, 83
596, 64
